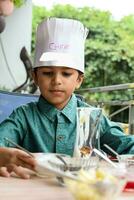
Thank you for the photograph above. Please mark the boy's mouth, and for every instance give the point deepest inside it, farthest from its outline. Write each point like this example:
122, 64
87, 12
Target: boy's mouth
56, 91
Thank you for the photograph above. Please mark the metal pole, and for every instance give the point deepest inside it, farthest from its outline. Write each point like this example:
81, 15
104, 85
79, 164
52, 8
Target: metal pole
131, 119
107, 88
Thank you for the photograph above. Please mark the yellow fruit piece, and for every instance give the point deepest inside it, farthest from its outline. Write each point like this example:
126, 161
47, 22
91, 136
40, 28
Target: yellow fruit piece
100, 175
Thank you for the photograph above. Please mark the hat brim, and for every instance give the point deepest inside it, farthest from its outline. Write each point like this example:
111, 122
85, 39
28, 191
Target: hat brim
58, 59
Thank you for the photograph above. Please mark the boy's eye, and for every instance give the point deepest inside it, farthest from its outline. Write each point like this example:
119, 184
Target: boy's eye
67, 74
51, 73
47, 73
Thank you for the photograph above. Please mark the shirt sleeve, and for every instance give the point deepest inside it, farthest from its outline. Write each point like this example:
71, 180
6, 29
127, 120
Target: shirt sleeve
113, 135
13, 128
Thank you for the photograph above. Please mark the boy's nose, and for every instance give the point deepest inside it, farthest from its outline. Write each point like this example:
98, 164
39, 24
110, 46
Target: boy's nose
57, 79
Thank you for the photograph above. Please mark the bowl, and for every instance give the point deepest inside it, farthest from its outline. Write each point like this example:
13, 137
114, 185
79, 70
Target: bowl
127, 158
53, 164
95, 185
44, 167
74, 164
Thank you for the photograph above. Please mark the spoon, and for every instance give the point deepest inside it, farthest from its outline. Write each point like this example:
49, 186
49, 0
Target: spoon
63, 161
113, 151
18, 146
68, 167
104, 157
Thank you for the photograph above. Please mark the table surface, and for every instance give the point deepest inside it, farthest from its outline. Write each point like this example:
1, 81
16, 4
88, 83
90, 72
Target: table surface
37, 188
32, 189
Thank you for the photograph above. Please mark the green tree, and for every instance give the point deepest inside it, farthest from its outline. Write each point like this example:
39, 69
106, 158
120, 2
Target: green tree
109, 52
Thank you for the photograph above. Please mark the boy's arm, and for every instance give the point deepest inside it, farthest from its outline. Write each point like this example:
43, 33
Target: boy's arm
113, 135
13, 127
15, 160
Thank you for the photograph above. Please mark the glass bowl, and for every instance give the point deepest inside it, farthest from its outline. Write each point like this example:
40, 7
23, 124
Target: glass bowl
95, 185
53, 164
74, 164
128, 159
48, 165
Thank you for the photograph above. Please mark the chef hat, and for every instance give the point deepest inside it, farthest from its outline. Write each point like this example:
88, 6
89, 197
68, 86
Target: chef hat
60, 42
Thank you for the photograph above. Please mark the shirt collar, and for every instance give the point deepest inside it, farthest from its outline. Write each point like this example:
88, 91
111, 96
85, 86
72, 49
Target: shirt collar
69, 111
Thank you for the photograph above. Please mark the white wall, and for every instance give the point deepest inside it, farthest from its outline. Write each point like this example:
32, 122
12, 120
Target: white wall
16, 35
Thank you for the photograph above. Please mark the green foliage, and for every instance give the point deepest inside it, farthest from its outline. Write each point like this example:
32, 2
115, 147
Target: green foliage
18, 3
109, 52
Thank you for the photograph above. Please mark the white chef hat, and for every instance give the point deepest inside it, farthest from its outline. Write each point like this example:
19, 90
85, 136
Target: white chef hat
60, 42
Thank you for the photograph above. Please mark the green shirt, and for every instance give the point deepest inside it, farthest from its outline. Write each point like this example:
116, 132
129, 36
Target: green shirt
40, 127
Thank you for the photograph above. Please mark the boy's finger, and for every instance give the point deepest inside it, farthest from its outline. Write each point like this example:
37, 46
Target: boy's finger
19, 171
4, 172
26, 162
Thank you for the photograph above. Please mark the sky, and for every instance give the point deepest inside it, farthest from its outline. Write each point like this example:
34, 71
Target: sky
118, 8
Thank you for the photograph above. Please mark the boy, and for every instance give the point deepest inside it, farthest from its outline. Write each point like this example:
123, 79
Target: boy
49, 125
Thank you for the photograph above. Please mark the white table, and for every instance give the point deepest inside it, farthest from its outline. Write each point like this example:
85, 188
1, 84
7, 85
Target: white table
38, 188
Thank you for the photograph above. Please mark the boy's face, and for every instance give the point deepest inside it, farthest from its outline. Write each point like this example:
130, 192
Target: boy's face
57, 84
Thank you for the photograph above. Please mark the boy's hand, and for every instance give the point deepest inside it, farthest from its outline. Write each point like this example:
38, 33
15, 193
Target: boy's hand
14, 160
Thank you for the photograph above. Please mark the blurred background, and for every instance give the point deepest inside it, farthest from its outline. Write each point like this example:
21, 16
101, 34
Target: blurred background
109, 51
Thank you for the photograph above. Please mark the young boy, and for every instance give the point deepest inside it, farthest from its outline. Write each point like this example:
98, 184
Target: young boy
49, 125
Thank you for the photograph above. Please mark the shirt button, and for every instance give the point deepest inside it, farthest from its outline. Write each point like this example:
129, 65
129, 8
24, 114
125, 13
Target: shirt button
59, 137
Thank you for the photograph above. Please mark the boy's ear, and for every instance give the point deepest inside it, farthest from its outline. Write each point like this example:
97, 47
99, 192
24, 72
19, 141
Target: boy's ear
80, 80
34, 75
